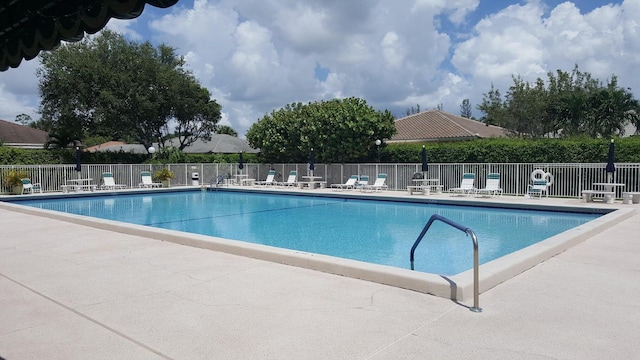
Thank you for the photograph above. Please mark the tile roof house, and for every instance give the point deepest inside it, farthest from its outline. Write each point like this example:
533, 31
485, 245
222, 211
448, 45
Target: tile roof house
104, 145
219, 144
437, 125
21, 136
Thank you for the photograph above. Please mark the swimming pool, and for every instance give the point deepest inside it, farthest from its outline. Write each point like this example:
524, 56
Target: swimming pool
380, 232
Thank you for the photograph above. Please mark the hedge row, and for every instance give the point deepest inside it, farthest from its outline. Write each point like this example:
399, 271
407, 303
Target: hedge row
507, 150
13, 156
510, 150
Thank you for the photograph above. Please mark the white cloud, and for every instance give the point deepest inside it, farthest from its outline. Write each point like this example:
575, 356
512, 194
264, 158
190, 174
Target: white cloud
457, 9
520, 40
393, 50
506, 43
19, 91
257, 56
124, 27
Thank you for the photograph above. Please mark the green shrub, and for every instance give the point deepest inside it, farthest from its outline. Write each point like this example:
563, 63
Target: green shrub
502, 150
11, 178
163, 175
511, 150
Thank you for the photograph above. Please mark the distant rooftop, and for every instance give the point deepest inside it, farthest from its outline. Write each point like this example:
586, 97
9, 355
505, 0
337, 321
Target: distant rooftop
21, 136
437, 125
219, 144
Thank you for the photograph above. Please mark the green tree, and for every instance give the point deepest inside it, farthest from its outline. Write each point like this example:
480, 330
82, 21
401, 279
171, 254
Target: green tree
610, 110
465, 109
42, 124
525, 112
493, 107
569, 104
66, 134
339, 131
412, 110
108, 86
196, 115
23, 119
226, 129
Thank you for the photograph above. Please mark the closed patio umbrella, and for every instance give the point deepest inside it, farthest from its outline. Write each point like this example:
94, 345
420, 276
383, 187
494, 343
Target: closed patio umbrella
425, 166
611, 168
312, 159
78, 160
240, 163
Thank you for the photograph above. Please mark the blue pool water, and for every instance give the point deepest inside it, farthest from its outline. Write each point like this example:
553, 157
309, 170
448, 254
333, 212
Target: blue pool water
379, 232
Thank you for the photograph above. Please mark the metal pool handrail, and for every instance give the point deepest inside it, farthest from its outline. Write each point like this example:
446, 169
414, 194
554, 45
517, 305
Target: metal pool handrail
476, 296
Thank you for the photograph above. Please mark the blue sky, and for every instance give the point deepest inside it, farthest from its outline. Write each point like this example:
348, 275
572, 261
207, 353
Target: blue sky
257, 56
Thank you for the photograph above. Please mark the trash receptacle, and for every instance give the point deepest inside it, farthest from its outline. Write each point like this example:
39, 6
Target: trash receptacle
195, 177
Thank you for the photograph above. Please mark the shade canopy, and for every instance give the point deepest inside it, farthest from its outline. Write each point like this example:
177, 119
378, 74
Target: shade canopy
30, 26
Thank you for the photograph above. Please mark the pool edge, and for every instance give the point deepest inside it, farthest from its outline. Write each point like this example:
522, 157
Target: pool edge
458, 287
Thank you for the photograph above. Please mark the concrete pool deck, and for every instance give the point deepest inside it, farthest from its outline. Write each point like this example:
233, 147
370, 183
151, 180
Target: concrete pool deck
69, 291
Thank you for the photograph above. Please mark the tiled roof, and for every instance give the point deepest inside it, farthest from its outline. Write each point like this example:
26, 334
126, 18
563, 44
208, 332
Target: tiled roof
17, 135
219, 144
434, 125
126, 148
104, 145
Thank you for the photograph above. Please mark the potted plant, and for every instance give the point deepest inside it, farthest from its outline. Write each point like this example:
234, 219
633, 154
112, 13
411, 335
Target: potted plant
12, 179
163, 175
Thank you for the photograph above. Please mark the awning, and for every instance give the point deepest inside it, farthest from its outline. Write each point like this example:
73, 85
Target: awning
30, 26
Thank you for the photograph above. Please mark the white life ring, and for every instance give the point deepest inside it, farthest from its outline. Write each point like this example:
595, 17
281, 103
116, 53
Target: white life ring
539, 174
549, 179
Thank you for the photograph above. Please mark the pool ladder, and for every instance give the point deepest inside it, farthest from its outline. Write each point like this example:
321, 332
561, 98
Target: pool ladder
215, 183
469, 232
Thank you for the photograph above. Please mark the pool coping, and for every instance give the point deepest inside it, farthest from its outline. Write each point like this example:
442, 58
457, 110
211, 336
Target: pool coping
458, 287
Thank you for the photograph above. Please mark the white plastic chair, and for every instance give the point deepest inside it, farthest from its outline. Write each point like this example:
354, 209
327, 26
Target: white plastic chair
147, 181
292, 180
364, 181
29, 187
108, 183
467, 185
378, 185
349, 184
270, 180
538, 188
492, 187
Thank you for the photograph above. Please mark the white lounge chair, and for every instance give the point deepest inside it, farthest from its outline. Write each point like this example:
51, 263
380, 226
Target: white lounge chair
492, 187
29, 187
350, 184
362, 182
467, 185
147, 181
292, 180
270, 180
108, 183
378, 185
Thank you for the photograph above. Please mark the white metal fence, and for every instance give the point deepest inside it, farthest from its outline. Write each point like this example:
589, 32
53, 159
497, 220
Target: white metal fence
569, 179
